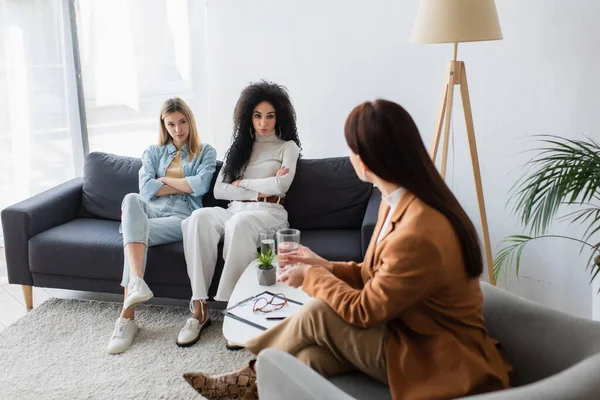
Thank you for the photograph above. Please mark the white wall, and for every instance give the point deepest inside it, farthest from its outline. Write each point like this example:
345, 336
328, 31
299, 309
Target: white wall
332, 55
596, 301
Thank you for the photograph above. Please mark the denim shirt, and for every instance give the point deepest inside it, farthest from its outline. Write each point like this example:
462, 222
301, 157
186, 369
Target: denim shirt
197, 172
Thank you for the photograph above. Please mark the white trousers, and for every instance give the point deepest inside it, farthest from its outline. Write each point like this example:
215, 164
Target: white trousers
241, 225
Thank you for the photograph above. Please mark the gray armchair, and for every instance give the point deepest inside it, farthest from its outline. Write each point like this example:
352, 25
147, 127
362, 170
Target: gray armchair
555, 356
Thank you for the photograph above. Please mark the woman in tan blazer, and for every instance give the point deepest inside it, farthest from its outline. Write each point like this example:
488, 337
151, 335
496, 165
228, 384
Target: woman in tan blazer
410, 315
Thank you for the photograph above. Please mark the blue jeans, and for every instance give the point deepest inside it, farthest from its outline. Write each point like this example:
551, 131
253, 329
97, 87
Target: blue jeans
153, 223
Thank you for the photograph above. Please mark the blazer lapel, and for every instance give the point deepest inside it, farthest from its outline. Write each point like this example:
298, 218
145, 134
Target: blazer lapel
405, 201
383, 210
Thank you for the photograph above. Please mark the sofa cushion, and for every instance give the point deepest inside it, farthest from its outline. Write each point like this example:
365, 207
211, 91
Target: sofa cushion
334, 244
93, 249
107, 178
326, 193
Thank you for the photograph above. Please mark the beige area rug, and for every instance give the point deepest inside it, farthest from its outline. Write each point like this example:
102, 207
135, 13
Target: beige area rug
57, 351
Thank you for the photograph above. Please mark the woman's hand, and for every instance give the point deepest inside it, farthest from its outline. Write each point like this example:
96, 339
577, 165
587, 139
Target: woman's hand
163, 179
294, 277
282, 171
304, 256
236, 183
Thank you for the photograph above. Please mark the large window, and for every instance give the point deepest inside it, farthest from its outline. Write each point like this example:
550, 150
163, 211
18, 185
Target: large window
36, 138
91, 74
134, 55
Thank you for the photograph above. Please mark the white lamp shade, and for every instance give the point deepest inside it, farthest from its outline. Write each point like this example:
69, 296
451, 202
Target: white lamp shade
455, 21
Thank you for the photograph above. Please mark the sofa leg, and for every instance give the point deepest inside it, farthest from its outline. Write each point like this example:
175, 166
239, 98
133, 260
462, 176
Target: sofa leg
28, 296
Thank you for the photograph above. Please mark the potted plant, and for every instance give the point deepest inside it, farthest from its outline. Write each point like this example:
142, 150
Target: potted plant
564, 173
266, 272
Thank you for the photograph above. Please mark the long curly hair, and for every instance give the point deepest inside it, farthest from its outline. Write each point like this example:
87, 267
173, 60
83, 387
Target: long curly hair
239, 152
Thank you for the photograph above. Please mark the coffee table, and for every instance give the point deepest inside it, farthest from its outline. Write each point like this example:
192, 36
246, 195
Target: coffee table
236, 332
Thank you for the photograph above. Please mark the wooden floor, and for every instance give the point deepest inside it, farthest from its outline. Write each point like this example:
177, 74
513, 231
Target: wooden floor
12, 305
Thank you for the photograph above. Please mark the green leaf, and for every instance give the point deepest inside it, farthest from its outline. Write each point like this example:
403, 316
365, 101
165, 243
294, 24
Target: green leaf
563, 171
511, 254
265, 259
505, 257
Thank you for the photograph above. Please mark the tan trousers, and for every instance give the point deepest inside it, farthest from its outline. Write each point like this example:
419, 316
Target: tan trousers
318, 337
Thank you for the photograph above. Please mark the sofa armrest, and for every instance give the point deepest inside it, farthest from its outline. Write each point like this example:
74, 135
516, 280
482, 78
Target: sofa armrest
301, 383
578, 382
370, 219
22, 221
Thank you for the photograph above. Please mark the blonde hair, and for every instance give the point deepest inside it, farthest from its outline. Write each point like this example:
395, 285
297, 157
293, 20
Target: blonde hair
170, 106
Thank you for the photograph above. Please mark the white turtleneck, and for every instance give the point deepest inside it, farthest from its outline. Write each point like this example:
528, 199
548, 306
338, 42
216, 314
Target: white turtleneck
392, 200
269, 154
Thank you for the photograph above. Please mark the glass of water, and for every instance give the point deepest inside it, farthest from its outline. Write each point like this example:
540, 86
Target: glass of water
288, 241
267, 241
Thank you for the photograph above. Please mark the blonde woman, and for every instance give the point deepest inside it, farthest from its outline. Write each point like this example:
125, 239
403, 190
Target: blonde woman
175, 174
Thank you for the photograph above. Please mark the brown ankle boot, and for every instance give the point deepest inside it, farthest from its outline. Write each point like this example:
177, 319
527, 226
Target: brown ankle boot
240, 384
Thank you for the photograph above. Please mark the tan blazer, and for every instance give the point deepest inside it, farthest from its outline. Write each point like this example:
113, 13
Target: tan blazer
414, 281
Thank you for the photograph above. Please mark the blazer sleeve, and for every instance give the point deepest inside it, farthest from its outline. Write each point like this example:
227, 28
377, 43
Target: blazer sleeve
408, 273
348, 272
277, 185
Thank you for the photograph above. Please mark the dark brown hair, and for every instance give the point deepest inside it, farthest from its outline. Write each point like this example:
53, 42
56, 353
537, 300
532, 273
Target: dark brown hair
387, 140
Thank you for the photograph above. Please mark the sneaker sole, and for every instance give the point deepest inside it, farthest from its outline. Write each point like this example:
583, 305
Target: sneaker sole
117, 352
137, 301
193, 342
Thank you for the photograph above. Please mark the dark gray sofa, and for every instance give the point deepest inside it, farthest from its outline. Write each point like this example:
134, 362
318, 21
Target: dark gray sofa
68, 237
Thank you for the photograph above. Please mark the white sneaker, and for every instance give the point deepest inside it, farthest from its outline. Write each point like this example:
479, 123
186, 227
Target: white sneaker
190, 333
137, 292
125, 330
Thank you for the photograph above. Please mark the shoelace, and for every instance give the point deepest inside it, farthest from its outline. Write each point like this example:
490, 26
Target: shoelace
120, 328
135, 285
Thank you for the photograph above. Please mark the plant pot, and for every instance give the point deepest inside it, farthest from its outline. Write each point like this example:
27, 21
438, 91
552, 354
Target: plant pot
266, 277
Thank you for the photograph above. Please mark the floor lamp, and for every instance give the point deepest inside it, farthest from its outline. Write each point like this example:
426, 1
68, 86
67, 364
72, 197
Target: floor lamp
456, 21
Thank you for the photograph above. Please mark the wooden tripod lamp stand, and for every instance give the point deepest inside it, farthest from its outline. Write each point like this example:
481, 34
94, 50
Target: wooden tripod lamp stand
456, 21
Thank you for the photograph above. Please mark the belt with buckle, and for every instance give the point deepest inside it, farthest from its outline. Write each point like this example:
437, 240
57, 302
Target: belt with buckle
270, 199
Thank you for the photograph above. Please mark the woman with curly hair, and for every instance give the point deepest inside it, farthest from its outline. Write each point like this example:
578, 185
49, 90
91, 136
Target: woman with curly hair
258, 170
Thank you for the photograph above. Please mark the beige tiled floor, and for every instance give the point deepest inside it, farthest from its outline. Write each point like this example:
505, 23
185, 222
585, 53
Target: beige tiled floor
12, 305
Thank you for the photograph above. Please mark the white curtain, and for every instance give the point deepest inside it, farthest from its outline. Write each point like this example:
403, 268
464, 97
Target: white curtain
108, 52
36, 149
134, 54
134, 59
